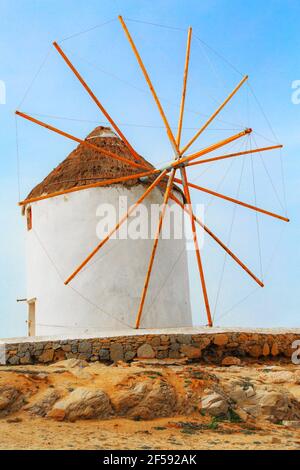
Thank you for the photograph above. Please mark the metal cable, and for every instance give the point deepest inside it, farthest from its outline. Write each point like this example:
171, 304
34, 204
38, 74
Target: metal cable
88, 30
256, 215
229, 239
35, 77
71, 287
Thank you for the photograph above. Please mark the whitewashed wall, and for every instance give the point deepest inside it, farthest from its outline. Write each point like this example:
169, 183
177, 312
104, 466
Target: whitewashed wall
106, 294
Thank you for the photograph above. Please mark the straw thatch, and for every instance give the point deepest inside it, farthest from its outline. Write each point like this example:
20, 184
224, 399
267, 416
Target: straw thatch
85, 166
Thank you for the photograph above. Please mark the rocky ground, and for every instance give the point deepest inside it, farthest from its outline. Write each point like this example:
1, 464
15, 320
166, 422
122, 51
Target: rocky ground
150, 404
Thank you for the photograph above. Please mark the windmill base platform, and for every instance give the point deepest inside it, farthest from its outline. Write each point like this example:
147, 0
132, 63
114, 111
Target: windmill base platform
197, 343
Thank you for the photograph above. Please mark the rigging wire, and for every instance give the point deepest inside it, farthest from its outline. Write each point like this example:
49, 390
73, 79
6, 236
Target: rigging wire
229, 239
88, 30
147, 92
276, 140
35, 76
256, 215
151, 126
270, 178
18, 158
71, 287
218, 54
162, 285
267, 272
156, 24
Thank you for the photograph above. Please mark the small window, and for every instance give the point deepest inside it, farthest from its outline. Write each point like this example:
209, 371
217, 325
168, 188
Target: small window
29, 218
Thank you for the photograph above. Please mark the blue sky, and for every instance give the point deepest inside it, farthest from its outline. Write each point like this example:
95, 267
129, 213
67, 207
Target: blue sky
259, 38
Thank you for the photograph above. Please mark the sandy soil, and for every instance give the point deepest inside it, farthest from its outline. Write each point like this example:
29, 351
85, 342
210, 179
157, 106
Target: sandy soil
38, 433
21, 430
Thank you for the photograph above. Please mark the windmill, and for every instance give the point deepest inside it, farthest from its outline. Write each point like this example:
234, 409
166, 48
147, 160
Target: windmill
164, 177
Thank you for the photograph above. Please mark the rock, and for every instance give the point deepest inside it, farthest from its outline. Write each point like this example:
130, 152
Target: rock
275, 440
14, 360
26, 359
85, 347
147, 399
266, 349
59, 355
238, 394
70, 364
146, 351
214, 404
23, 348
104, 354
82, 403
221, 339
255, 351
46, 356
45, 403
16, 419
11, 399
292, 424
116, 352
155, 341
129, 355
184, 339
274, 405
250, 392
231, 361
190, 351
174, 355
280, 377
274, 349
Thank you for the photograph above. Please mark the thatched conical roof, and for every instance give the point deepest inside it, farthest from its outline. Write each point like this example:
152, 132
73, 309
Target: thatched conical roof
85, 166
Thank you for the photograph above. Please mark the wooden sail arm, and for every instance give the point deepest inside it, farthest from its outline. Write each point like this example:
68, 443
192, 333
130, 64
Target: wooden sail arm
214, 237
154, 249
185, 75
197, 250
214, 115
211, 148
96, 100
148, 80
104, 152
235, 201
118, 225
237, 154
89, 186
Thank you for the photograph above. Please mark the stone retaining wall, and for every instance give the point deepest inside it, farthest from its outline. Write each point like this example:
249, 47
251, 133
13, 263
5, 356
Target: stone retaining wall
207, 347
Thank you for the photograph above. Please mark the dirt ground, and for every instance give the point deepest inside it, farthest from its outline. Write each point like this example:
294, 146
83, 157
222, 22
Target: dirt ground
38, 433
21, 430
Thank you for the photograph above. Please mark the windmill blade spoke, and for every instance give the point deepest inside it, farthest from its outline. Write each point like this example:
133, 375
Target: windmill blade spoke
89, 186
96, 100
104, 152
212, 117
207, 230
148, 80
185, 76
197, 250
118, 225
235, 201
154, 249
216, 146
238, 154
